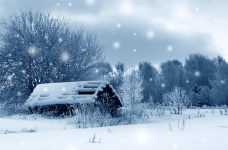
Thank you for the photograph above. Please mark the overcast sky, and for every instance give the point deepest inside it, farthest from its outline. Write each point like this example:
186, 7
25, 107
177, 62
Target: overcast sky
133, 31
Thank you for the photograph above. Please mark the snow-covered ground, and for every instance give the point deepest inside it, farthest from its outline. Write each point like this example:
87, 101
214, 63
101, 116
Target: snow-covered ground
38, 133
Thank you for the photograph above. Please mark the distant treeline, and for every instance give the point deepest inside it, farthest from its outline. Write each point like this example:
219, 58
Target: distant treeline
203, 80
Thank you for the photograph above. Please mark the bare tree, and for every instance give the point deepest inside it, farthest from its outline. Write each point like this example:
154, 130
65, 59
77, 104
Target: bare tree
132, 96
132, 88
37, 48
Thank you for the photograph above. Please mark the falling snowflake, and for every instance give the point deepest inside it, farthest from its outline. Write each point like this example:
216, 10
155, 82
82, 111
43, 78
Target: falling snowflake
150, 34
197, 9
9, 77
142, 137
63, 89
20, 63
157, 66
151, 79
197, 73
187, 81
222, 82
32, 50
169, 48
134, 50
22, 143
163, 85
175, 146
181, 11
134, 34
46, 36
83, 49
127, 8
90, 2
60, 40
18, 93
65, 57
69, 4
57, 4
96, 70
118, 25
116, 45
45, 89
23, 71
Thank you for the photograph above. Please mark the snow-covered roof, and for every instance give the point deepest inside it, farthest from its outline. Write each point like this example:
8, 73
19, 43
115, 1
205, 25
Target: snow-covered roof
65, 93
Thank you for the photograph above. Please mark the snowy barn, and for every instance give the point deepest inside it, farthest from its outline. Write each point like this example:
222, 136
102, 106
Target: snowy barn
64, 97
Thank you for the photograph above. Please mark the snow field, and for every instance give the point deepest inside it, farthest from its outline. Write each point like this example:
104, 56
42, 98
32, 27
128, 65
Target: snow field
201, 133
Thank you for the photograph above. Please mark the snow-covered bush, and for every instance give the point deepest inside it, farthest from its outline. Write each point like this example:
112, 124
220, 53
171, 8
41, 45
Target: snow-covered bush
138, 115
176, 99
157, 110
6, 109
89, 116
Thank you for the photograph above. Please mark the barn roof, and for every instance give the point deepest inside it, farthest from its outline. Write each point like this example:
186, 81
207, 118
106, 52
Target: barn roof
66, 93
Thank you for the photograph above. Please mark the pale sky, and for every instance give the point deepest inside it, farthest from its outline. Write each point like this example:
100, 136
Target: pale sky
133, 31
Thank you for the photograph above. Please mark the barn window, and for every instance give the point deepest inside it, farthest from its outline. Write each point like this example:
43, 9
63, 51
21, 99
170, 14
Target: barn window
86, 91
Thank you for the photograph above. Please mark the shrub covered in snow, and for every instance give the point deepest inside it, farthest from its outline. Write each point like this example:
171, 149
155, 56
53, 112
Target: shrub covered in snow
176, 99
88, 117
